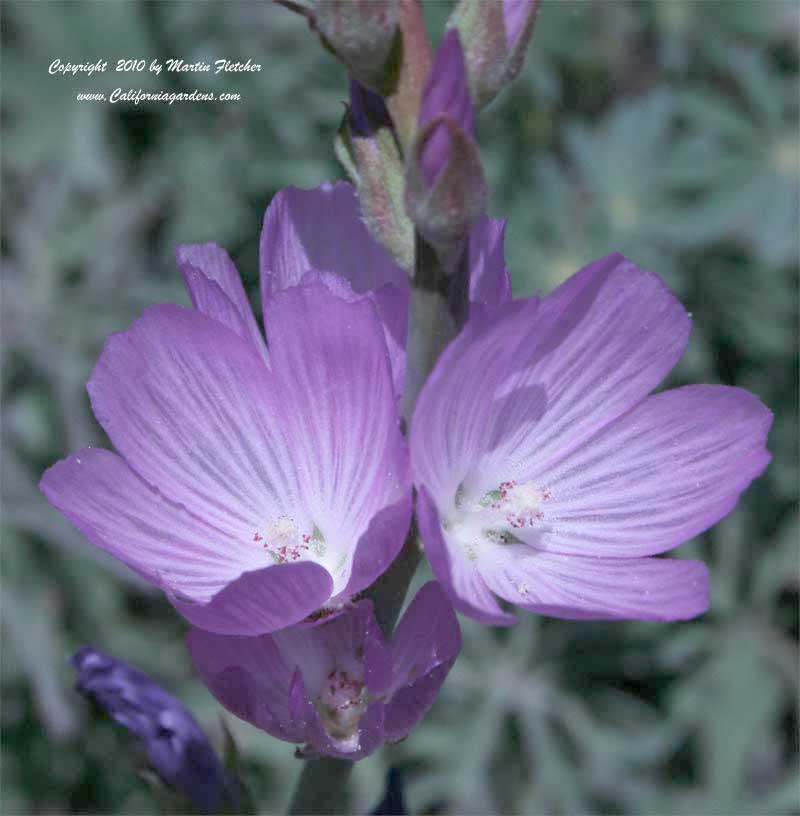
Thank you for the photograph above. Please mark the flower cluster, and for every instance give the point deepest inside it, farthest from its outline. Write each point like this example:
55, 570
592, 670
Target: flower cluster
263, 483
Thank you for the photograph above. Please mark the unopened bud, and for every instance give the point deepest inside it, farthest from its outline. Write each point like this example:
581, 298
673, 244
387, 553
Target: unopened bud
177, 747
364, 35
445, 187
495, 37
366, 146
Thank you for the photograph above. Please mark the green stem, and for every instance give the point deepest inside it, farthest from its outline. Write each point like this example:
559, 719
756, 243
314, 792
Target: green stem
322, 787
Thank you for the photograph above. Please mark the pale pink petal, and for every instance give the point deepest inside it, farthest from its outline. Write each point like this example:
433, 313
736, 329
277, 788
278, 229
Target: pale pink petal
453, 418
585, 588
489, 282
332, 372
659, 475
216, 579
371, 557
266, 600
193, 410
580, 358
323, 230
391, 304
216, 289
122, 514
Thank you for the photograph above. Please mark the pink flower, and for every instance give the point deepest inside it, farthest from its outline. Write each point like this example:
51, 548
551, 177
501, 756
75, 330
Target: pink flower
339, 687
257, 483
546, 474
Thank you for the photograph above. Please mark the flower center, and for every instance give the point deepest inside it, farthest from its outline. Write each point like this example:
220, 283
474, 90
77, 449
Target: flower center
284, 541
497, 516
341, 704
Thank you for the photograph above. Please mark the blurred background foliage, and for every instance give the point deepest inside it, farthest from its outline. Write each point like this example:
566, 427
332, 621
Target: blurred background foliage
667, 130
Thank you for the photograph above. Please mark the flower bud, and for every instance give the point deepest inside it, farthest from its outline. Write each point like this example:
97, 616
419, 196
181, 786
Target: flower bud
177, 747
363, 34
445, 187
366, 146
495, 36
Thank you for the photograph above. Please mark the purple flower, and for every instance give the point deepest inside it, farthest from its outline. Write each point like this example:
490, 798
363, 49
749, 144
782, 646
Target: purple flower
323, 229
337, 687
548, 477
177, 747
256, 484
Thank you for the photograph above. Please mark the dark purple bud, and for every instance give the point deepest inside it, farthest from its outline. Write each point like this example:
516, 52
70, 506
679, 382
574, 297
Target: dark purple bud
362, 34
495, 37
177, 747
446, 95
367, 110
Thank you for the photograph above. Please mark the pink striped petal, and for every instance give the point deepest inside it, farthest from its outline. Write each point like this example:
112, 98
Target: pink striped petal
591, 350
585, 588
216, 579
659, 475
332, 372
489, 282
123, 515
322, 229
216, 290
192, 408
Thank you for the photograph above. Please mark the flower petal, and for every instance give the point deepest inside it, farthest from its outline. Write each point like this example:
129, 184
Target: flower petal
122, 514
427, 636
216, 289
250, 677
322, 229
489, 282
193, 410
391, 304
585, 588
410, 703
262, 601
424, 647
459, 576
579, 359
372, 556
215, 579
669, 469
331, 369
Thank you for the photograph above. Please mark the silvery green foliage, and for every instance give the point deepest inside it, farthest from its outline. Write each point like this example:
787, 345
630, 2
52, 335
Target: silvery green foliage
663, 130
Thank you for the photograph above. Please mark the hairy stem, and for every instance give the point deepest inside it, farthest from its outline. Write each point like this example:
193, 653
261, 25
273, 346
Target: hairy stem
415, 62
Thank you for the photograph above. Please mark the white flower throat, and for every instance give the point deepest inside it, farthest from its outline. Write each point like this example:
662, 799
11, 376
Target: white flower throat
497, 516
286, 542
